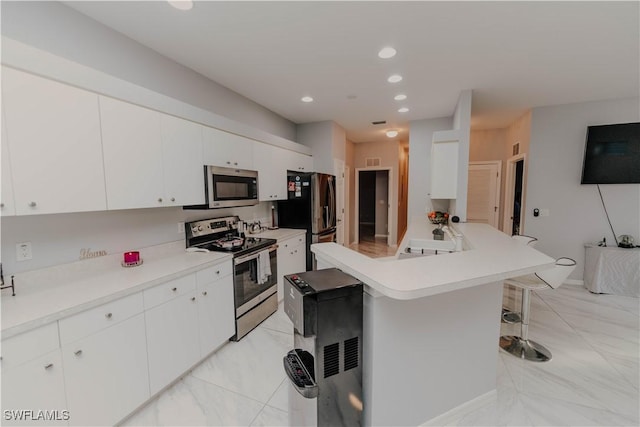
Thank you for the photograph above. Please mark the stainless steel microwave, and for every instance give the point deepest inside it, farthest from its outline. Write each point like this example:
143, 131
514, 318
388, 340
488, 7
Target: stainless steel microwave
229, 187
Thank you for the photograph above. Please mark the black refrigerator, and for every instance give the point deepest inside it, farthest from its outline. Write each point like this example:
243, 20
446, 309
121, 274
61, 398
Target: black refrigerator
310, 205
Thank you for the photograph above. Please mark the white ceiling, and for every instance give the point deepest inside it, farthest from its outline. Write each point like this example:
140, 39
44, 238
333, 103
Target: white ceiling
513, 55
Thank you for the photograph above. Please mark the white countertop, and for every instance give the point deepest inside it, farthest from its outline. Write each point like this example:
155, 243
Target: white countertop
49, 294
488, 256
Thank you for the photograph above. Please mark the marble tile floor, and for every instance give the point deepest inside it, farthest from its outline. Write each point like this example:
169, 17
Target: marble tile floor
592, 379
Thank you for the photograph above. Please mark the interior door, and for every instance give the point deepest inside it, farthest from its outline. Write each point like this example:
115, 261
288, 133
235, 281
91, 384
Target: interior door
483, 195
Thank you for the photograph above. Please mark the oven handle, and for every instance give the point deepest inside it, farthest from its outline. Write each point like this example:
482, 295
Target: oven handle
246, 258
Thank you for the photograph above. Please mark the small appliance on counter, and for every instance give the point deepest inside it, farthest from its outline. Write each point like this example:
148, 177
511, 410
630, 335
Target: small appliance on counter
325, 365
626, 241
255, 275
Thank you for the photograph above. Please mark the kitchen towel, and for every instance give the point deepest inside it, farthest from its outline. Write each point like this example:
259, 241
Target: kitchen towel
264, 267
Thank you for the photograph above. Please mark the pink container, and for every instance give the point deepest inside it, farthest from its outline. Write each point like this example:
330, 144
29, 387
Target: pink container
131, 257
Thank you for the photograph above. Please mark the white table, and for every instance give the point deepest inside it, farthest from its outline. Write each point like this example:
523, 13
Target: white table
612, 270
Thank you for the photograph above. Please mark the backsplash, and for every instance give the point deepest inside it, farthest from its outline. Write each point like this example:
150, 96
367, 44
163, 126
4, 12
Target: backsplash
61, 238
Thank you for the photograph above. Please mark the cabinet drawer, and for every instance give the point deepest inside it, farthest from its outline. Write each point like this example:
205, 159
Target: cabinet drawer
293, 241
168, 291
214, 273
88, 322
29, 345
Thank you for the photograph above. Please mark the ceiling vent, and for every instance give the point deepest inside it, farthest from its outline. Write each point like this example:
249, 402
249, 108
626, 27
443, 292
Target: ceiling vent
379, 122
372, 161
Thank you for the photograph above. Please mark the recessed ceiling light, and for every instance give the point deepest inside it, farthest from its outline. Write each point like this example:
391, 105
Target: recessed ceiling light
306, 99
392, 133
400, 97
387, 52
394, 78
403, 110
181, 4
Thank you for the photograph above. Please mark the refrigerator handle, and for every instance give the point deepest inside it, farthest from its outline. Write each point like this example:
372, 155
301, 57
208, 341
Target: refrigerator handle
332, 203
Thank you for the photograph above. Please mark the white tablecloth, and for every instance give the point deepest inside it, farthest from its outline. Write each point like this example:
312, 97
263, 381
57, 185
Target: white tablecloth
612, 270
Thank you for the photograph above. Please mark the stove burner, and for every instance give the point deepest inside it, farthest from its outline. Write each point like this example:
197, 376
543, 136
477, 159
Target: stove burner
228, 242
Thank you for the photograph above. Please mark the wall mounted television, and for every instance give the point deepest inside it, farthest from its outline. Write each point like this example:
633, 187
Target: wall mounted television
612, 154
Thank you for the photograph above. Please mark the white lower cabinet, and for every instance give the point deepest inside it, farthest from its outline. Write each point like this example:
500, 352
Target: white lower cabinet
291, 259
106, 373
172, 339
32, 380
35, 386
216, 314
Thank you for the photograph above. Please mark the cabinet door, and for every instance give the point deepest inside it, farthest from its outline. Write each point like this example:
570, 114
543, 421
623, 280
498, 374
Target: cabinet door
36, 385
444, 170
53, 131
172, 340
132, 155
299, 162
7, 207
291, 259
106, 373
216, 314
182, 161
270, 162
227, 150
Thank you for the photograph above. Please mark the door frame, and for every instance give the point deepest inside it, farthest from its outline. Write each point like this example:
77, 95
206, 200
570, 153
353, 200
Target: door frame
498, 164
357, 200
510, 183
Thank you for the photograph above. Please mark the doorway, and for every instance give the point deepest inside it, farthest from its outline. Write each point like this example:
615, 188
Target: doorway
372, 205
483, 197
513, 221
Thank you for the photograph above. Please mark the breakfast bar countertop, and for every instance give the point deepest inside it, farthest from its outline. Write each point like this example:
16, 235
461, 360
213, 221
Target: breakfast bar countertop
488, 255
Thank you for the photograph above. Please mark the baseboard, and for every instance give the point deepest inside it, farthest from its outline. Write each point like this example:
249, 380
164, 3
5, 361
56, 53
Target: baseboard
574, 282
449, 417
380, 235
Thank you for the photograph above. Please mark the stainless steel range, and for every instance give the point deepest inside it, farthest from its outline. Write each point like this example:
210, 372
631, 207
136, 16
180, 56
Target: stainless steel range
254, 263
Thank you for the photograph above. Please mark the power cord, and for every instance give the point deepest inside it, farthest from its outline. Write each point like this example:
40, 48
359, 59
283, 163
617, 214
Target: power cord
607, 214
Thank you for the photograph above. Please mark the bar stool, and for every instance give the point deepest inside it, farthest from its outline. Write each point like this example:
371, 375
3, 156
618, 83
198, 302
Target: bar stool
507, 315
521, 346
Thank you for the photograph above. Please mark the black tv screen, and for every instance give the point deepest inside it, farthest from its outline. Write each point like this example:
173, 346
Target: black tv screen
612, 154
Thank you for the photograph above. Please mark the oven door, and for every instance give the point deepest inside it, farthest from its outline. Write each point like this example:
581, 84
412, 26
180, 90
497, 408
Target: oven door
248, 290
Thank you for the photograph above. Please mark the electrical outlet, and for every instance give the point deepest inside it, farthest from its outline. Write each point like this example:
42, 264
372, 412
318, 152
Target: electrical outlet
23, 251
181, 228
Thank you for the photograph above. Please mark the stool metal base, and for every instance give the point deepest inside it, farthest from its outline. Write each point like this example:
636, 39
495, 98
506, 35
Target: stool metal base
524, 349
511, 317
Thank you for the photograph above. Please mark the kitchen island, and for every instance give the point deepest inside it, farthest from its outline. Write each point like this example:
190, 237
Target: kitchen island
432, 323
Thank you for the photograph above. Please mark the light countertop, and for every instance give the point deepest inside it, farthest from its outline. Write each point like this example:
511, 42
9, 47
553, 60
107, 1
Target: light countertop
488, 256
49, 294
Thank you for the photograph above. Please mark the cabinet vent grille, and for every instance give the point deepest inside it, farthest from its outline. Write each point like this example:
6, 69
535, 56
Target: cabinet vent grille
331, 360
372, 161
351, 353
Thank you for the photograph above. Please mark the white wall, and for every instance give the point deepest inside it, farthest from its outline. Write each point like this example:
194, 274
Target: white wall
555, 166
62, 31
58, 239
420, 133
327, 141
462, 122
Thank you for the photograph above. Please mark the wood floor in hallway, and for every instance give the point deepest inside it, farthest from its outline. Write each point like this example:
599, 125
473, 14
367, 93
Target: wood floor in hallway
374, 247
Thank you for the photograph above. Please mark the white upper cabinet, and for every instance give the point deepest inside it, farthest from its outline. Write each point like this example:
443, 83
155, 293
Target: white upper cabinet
151, 159
299, 162
227, 149
7, 206
271, 164
444, 164
182, 161
53, 135
132, 155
